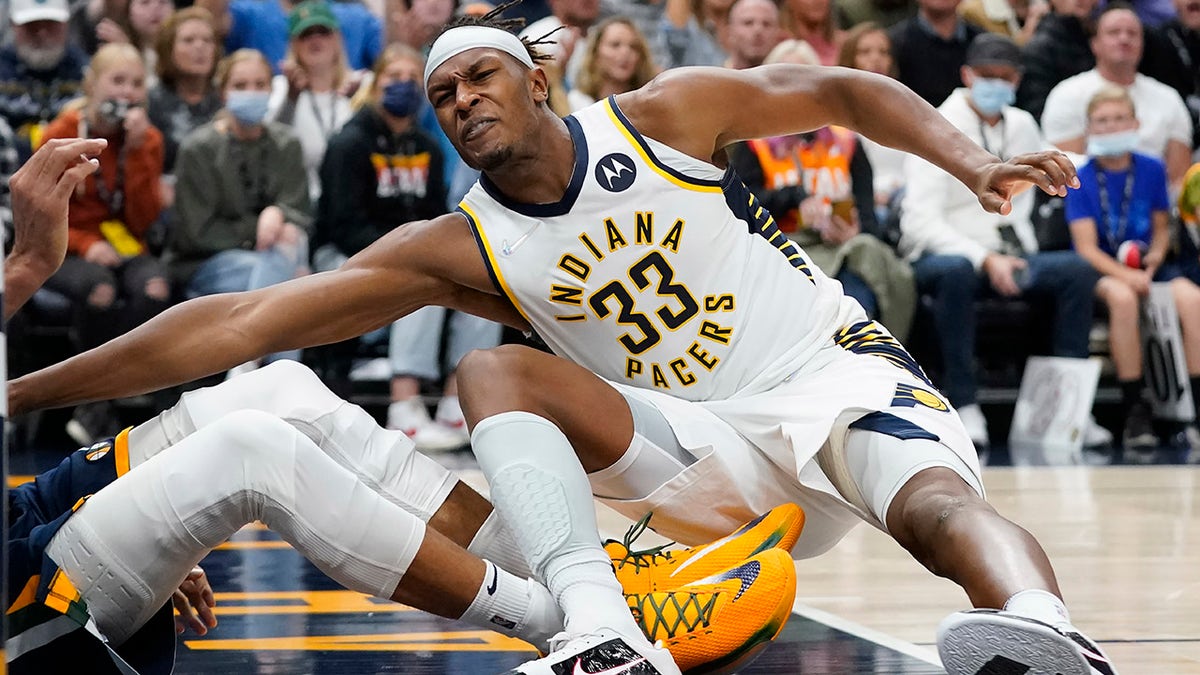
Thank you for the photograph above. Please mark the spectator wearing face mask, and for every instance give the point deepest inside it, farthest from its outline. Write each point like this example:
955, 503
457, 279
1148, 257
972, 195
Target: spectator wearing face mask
241, 194
961, 252
1119, 221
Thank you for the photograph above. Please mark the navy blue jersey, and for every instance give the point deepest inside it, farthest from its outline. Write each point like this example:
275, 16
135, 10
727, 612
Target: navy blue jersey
47, 618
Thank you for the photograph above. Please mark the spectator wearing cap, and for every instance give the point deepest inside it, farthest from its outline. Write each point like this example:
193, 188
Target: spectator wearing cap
961, 252
263, 25
1165, 129
307, 96
39, 69
930, 47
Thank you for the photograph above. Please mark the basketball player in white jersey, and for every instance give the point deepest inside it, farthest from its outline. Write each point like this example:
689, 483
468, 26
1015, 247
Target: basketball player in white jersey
703, 369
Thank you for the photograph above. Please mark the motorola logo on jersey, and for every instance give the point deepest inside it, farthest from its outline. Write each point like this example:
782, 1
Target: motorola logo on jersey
615, 172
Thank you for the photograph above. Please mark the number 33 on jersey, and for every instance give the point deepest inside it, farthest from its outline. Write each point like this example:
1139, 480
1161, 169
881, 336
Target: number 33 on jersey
655, 269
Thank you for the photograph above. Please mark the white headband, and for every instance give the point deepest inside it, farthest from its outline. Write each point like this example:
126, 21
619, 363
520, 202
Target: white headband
458, 40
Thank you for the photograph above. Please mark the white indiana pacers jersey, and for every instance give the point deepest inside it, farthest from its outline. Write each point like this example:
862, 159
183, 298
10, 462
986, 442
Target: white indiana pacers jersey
657, 270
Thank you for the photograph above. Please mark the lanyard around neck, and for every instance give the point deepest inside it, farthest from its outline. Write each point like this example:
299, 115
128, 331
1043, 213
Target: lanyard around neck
983, 139
1115, 231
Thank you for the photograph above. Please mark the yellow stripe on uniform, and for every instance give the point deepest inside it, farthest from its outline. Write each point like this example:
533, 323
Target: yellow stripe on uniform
62, 593
26, 596
491, 262
653, 162
121, 448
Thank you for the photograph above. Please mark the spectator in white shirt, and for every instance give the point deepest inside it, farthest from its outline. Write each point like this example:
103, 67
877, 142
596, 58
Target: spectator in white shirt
960, 252
1166, 127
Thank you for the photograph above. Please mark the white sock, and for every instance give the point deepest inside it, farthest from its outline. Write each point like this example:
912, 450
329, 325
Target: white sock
495, 542
1038, 604
520, 608
542, 493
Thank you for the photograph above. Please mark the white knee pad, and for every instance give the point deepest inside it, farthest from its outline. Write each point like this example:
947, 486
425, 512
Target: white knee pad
538, 486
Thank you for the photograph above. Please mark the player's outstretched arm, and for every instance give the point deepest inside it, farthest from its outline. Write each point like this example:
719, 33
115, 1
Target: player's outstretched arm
701, 110
415, 265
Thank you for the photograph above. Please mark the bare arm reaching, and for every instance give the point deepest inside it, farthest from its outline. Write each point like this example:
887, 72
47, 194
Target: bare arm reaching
784, 99
430, 262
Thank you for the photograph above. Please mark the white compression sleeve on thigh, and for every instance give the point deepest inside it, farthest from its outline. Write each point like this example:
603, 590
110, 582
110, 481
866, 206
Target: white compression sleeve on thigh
382, 459
542, 493
132, 543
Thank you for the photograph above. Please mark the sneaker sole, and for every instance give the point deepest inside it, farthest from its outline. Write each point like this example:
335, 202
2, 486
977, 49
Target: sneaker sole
988, 644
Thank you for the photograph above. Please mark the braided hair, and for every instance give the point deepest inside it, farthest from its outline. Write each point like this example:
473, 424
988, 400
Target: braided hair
494, 19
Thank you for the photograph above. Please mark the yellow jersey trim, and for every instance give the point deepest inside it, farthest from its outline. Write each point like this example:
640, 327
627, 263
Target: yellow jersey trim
489, 258
635, 139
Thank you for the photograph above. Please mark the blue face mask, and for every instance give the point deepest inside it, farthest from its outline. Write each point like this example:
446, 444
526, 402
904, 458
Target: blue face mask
1111, 145
247, 107
402, 99
991, 95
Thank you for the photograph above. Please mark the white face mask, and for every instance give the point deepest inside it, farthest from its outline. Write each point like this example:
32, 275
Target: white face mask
1111, 145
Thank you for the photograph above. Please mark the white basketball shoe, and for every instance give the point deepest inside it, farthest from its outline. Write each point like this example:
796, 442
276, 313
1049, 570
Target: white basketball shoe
604, 652
992, 642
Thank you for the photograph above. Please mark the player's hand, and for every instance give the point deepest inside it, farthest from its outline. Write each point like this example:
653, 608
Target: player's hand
1002, 273
136, 124
194, 602
41, 192
999, 182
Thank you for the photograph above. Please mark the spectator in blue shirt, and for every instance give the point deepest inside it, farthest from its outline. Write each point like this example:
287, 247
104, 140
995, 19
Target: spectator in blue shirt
1122, 199
263, 25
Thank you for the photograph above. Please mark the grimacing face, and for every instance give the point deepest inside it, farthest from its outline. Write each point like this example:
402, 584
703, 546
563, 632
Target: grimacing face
487, 104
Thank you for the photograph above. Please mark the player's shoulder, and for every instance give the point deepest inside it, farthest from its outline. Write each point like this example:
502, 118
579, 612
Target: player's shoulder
657, 108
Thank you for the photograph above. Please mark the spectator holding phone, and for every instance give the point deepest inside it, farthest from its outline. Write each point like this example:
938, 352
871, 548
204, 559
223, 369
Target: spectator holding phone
108, 273
111, 280
1119, 221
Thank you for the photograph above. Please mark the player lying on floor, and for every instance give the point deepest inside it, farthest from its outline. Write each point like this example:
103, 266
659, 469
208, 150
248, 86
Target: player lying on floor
102, 543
